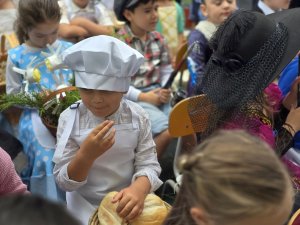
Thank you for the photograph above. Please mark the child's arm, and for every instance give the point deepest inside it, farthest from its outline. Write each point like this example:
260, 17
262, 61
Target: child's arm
152, 97
147, 170
97, 142
92, 28
71, 32
72, 166
13, 79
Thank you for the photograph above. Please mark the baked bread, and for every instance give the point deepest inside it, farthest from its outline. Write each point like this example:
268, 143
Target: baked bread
154, 213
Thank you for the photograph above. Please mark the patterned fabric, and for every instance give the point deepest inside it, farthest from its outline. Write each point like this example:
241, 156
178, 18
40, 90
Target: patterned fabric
170, 24
38, 175
156, 54
10, 182
90, 11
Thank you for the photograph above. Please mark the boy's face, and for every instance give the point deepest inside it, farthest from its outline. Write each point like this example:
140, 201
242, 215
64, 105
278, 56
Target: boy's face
217, 11
101, 103
144, 17
81, 3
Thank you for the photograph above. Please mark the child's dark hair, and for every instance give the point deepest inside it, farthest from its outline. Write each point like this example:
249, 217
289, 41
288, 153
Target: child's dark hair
33, 12
134, 6
33, 210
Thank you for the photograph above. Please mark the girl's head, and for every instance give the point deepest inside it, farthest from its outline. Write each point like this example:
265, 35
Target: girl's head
249, 51
38, 21
216, 11
232, 178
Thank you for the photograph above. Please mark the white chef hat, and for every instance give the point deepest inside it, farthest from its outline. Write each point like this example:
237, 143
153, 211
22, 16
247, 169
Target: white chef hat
103, 63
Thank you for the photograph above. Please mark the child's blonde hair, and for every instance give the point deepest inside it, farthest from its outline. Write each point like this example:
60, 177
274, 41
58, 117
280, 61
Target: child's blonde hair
231, 176
33, 12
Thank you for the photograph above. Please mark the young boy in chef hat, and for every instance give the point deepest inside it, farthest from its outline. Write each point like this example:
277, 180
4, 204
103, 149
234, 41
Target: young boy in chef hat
104, 142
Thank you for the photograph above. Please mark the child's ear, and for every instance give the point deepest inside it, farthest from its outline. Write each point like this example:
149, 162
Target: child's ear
128, 15
203, 10
198, 216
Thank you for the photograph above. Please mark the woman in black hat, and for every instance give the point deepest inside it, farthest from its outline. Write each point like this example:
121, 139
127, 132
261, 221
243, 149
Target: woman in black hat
249, 52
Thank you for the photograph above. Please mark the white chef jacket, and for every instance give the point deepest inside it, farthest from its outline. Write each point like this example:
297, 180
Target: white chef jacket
132, 155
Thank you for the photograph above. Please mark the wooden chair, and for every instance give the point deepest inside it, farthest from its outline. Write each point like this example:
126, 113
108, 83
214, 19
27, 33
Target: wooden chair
181, 126
295, 219
10, 40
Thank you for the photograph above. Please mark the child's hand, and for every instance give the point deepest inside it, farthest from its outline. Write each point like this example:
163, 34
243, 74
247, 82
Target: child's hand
293, 119
131, 202
164, 95
98, 141
151, 97
291, 97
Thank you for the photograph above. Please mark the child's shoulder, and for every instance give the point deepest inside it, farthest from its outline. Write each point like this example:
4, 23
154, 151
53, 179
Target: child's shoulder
136, 108
16, 49
71, 109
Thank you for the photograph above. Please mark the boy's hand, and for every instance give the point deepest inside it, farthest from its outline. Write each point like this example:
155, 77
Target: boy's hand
164, 95
98, 141
151, 97
131, 202
131, 199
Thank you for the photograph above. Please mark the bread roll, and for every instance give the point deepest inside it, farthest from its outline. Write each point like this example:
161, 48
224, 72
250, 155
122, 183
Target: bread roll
154, 213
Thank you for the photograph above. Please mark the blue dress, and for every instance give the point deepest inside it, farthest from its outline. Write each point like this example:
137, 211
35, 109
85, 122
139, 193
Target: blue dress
38, 143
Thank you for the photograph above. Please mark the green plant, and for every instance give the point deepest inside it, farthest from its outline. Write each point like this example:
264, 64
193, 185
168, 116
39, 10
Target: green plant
49, 104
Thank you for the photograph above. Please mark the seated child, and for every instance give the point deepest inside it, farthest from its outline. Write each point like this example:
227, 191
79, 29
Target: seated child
216, 12
83, 19
232, 178
139, 32
35, 32
104, 143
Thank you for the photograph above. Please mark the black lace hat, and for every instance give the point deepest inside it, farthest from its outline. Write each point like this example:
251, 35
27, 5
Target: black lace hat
249, 51
121, 5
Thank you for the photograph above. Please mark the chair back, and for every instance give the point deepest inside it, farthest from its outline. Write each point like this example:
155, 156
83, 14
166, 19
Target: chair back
295, 219
185, 119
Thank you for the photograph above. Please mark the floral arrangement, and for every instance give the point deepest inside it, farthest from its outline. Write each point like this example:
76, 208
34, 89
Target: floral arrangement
49, 104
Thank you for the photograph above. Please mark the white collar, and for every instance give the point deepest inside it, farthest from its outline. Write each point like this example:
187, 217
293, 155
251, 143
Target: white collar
265, 8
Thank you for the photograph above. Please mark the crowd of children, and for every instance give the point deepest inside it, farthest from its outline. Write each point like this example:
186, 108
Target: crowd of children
120, 55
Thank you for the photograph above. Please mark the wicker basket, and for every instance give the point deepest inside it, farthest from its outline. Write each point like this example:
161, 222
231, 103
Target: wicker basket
53, 128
